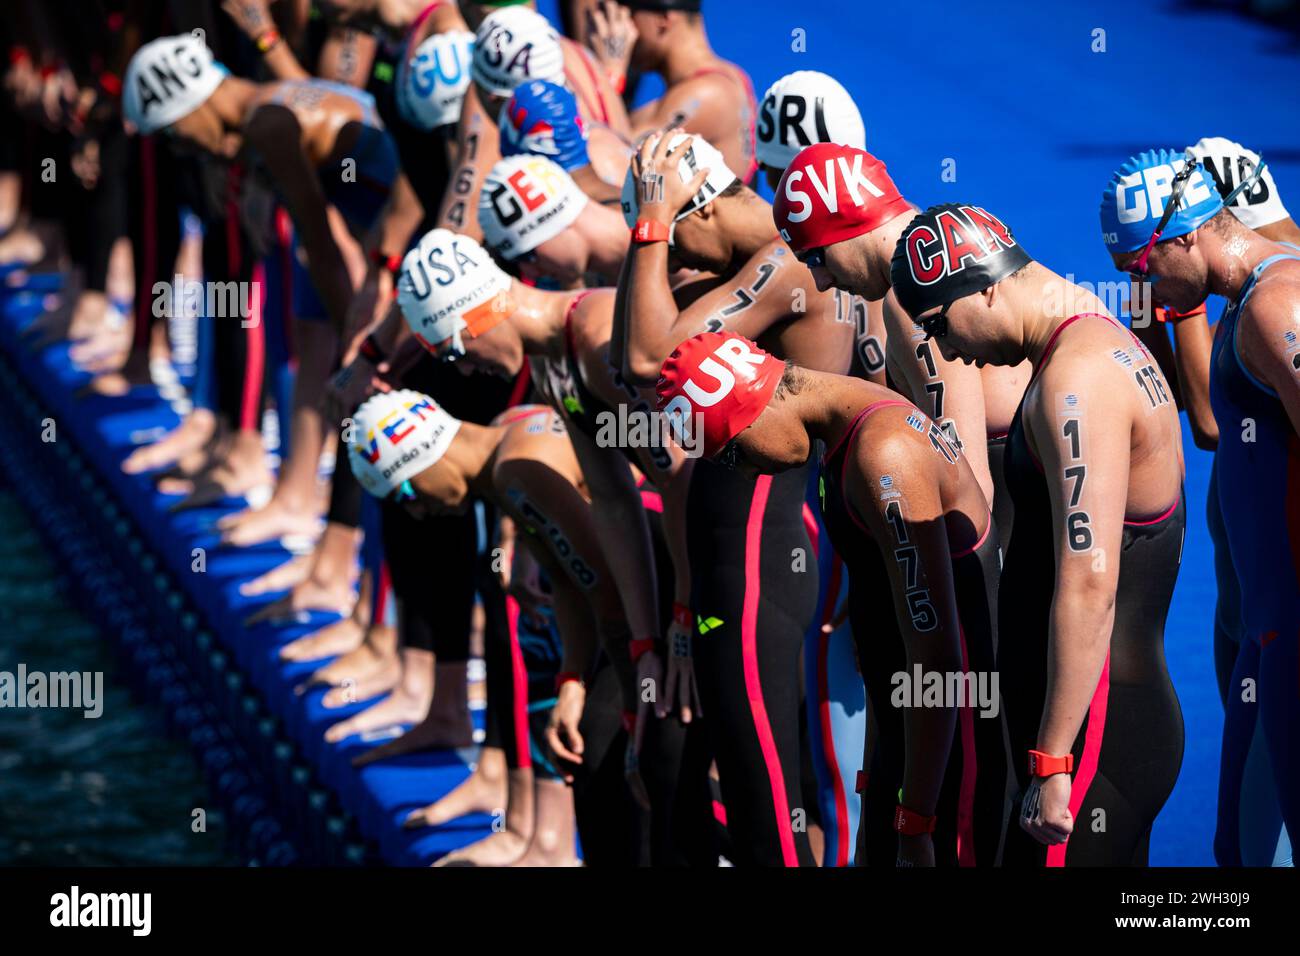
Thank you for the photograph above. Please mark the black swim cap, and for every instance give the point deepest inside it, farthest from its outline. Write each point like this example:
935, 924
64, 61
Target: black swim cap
949, 252
662, 6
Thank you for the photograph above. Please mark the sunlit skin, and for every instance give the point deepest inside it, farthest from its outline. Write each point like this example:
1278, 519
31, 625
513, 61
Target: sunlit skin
761, 291
1218, 261
1133, 456
595, 242
945, 512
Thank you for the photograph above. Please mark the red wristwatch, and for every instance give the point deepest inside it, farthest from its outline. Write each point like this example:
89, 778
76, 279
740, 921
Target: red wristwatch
648, 230
392, 263
1046, 765
909, 823
640, 647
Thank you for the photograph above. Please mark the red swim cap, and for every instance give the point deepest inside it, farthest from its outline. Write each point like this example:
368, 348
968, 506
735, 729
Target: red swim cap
718, 379
830, 193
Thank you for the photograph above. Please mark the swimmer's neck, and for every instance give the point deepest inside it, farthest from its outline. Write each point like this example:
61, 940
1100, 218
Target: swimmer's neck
746, 221
1046, 300
1233, 259
232, 100
687, 55
473, 455
827, 403
538, 318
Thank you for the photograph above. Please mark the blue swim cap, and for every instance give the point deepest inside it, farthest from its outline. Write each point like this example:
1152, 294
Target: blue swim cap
1134, 200
542, 119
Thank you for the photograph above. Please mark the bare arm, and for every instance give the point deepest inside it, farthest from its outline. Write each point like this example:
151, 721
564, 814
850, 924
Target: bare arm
476, 150
274, 132
1268, 336
907, 523
949, 392
1193, 343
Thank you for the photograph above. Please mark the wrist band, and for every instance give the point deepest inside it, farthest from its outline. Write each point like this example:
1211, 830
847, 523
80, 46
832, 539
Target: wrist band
640, 647
619, 83
629, 721
647, 230
1047, 765
564, 677
371, 350
910, 823
392, 263
267, 40
111, 84
682, 615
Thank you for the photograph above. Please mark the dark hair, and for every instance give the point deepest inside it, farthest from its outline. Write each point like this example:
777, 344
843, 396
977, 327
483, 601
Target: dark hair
792, 381
733, 189
1222, 221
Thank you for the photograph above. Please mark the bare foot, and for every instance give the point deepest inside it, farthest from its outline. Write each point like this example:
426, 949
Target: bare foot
480, 792
276, 520
544, 852
337, 638
435, 732
282, 577
399, 707
190, 436
499, 849
377, 652
21, 245
307, 595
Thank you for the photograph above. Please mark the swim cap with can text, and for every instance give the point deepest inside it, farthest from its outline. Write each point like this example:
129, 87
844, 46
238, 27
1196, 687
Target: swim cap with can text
949, 252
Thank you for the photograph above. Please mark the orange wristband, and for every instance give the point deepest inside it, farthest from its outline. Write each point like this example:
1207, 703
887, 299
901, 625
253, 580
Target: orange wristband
647, 230
267, 40
1046, 765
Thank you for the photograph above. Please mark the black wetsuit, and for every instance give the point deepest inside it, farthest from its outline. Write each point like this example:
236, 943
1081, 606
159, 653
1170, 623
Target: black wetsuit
1130, 746
973, 802
675, 758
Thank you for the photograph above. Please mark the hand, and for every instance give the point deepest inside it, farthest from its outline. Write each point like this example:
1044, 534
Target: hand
611, 34
660, 190
915, 850
352, 385
681, 692
253, 17
370, 303
562, 729
1045, 811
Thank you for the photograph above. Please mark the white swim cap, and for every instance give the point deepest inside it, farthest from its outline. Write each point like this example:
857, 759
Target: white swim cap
701, 155
167, 80
803, 108
449, 285
432, 84
1230, 164
396, 436
514, 45
525, 201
